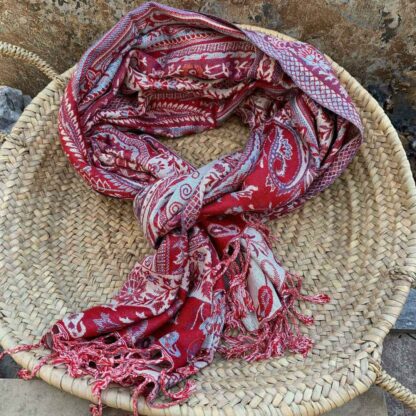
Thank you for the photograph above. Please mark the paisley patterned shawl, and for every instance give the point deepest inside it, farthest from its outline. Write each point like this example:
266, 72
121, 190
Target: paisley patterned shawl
213, 283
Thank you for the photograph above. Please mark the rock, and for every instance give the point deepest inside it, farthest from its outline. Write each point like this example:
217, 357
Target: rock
407, 319
26, 100
371, 403
8, 367
36, 398
399, 360
12, 103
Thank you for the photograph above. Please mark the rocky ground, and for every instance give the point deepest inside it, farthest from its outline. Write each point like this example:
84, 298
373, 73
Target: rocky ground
12, 103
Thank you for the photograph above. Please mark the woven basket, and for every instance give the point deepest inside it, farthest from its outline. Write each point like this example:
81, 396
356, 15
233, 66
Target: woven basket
65, 247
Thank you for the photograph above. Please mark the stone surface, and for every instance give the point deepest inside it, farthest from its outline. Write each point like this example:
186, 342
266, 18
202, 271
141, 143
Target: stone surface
12, 103
374, 40
371, 403
36, 398
8, 368
407, 319
399, 360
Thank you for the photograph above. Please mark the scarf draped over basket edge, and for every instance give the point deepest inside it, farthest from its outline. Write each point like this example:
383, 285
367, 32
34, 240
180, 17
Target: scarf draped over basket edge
214, 283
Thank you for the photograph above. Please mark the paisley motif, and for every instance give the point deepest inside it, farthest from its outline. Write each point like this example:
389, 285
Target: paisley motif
265, 301
288, 160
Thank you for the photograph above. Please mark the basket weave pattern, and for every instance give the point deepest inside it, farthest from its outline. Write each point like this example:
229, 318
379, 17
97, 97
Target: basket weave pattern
65, 248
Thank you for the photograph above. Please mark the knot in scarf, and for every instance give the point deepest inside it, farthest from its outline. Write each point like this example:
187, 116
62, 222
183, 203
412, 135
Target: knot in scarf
176, 200
213, 284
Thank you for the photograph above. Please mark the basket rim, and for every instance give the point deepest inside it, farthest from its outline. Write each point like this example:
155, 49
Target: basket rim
363, 368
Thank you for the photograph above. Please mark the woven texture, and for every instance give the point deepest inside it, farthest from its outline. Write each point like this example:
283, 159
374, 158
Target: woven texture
66, 248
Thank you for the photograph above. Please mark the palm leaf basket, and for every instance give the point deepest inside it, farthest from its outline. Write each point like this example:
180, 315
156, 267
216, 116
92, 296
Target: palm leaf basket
64, 247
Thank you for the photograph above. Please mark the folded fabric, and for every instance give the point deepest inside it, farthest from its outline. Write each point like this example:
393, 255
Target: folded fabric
213, 283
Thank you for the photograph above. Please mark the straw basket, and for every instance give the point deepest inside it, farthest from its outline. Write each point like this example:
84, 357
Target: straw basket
64, 248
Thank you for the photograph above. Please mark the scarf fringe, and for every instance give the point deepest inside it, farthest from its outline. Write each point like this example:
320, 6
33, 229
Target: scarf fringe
275, 336
238, 299
110, 362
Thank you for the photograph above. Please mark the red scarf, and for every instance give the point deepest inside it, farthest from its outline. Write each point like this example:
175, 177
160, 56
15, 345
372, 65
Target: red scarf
168, 73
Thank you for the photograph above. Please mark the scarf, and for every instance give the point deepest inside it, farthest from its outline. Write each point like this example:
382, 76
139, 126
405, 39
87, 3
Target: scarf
213, 284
